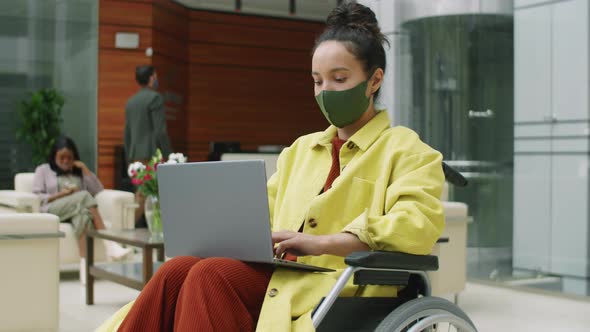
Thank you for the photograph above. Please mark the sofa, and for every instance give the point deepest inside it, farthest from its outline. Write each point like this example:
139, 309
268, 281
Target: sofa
116, 207
29, 256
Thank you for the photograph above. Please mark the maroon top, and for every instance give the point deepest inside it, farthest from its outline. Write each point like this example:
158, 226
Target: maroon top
337, 144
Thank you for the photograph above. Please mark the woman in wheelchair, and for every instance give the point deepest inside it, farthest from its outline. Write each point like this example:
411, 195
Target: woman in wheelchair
67, 189
359, 185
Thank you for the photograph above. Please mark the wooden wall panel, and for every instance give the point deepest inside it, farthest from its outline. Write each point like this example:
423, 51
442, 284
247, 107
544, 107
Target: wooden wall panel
171, 24
169, 46
243, 56
261, 36
173, 21
255, 21
225, 77
115, 85
116, 74
173, 87
125, 13
170, 35
172, 6
249, 81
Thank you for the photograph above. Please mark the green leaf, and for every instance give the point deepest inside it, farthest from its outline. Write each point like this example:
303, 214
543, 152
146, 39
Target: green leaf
40, 121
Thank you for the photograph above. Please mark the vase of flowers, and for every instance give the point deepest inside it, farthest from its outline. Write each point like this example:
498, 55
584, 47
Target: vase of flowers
152, 216
145, 178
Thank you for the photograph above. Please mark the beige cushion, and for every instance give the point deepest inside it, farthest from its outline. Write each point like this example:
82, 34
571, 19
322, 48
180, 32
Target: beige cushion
7, 209
29, 289
445, 192
23, 182
117, 208
455, 210
20, 201
452, 256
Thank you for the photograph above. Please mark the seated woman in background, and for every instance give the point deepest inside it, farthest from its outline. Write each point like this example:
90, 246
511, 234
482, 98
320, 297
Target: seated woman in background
67, 189
359, 185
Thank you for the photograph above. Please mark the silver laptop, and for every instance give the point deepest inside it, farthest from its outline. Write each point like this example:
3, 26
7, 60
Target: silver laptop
218, 209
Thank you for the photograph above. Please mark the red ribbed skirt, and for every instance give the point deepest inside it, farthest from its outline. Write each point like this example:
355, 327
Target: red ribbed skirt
193, 294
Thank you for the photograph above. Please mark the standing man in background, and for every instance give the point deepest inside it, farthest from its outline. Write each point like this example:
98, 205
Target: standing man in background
145, 125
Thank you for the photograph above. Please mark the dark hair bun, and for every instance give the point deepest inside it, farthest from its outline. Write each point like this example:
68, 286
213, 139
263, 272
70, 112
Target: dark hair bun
355, 16
356, 27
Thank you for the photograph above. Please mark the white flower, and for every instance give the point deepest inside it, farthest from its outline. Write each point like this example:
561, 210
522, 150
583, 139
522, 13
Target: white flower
178, 158
134, 168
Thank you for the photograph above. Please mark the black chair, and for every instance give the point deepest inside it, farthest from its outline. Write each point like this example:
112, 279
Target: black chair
122, 180
216, 149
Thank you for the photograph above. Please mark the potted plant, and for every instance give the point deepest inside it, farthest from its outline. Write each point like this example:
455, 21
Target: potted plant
40, 121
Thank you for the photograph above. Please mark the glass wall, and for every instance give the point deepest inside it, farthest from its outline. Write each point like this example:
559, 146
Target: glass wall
461, 70
48, 44
503, 94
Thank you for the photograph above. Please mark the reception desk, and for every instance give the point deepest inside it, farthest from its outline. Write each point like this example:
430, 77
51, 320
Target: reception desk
270, 160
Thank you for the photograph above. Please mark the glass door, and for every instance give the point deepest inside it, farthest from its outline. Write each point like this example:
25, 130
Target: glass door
457, 93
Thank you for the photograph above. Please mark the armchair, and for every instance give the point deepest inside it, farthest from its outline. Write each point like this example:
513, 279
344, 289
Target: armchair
116, 207
29, 258
451, 276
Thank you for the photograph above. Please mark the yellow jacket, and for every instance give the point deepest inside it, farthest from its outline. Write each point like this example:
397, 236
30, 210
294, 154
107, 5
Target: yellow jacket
387, 194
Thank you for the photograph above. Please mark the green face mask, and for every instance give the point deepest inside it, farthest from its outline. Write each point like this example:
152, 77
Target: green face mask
343, 108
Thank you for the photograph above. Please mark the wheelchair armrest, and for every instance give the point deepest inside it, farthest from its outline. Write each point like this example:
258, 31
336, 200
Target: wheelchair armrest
392, 260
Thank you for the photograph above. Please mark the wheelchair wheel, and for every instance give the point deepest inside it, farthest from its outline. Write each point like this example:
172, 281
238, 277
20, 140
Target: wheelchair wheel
426, 314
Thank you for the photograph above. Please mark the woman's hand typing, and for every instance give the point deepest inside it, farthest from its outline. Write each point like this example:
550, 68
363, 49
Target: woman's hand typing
298, 244
301, 244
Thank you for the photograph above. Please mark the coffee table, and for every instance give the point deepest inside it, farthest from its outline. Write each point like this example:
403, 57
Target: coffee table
130, 274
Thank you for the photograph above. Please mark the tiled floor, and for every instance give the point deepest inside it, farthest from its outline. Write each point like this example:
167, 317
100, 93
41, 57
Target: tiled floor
76, 316
497, 264
503, 309
490, 308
